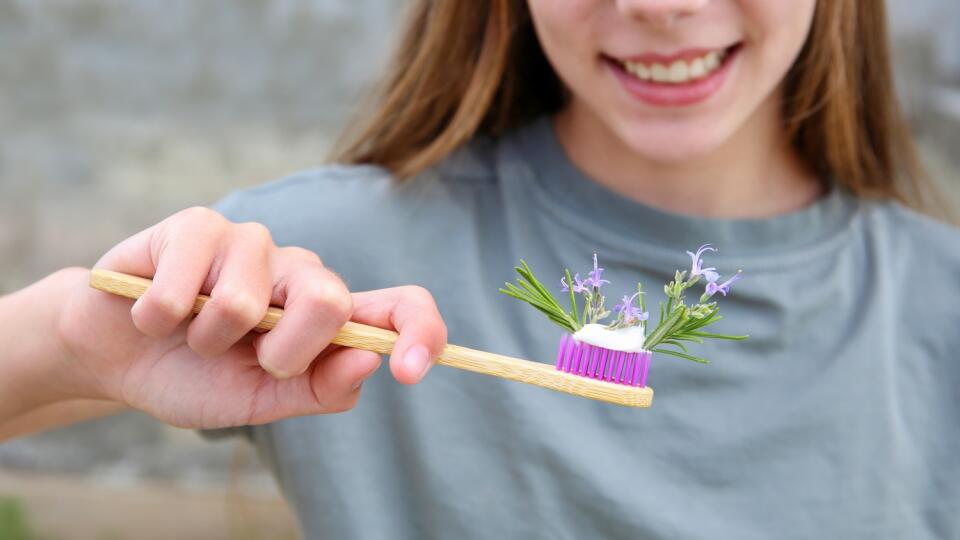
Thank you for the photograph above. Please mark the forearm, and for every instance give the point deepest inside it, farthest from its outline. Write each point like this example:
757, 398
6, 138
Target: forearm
59, 414
36, 370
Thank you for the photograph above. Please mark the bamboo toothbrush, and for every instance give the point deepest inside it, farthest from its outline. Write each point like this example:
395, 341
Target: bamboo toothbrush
361, 336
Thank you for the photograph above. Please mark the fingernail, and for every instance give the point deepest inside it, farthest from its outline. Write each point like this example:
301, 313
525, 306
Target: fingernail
137, 306
276, 373
417, 360
366, 375
273, 370
360, 382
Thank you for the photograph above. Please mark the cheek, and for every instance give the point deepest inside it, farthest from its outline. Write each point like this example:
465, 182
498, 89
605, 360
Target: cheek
782, 28
564, 37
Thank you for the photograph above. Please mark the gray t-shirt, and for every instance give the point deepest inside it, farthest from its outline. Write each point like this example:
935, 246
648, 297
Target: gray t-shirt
838, 418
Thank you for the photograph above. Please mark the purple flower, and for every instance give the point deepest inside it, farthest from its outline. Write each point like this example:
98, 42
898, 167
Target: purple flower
594, 279
630, 313
723, 288
578, 286
696, 267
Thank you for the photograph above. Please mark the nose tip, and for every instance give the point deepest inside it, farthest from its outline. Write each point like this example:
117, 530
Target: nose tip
660, 12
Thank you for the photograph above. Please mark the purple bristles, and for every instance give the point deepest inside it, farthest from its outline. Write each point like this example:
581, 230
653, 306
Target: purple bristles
591, 361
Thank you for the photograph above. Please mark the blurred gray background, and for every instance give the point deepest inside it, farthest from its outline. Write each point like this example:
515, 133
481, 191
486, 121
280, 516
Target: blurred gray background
116, 114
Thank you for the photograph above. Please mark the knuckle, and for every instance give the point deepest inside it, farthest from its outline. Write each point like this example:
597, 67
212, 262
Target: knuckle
255, 231
237, 306
166, 305
198, 224
331, 298
301, 254
200, 214
418, 294
423, 298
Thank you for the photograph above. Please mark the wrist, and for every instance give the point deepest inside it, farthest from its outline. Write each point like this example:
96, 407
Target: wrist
74, 376
38, 364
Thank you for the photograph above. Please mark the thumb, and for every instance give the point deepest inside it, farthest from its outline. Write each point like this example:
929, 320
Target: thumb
413, 313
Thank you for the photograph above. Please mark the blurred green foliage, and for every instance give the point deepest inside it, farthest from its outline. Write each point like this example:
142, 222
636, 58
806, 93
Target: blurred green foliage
13, 521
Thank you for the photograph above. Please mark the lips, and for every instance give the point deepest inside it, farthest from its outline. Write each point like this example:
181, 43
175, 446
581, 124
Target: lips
680, 79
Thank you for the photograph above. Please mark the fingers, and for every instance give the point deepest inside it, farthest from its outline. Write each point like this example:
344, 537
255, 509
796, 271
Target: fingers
316, 304
412, 311
337, 378
178, 254
240, 296
198, 250
332, 385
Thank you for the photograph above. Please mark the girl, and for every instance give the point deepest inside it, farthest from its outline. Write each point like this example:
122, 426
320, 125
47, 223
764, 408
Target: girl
549, 130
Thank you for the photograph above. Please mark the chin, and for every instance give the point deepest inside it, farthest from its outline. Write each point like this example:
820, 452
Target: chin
672, 145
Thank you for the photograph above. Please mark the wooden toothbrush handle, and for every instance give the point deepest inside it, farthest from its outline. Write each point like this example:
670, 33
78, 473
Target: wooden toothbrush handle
379, 340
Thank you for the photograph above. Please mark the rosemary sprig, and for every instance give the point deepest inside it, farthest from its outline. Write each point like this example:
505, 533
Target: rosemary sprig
532, 291
679, 322
573, 298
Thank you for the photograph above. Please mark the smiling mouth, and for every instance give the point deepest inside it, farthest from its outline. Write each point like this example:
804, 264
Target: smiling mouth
681, 70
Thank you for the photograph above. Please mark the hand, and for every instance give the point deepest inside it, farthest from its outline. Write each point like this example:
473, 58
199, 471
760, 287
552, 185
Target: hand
209, 371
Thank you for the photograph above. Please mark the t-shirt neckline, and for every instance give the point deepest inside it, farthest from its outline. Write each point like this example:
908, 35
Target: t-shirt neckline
594, 209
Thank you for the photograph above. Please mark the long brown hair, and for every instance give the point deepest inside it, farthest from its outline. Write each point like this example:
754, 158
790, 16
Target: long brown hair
464, 68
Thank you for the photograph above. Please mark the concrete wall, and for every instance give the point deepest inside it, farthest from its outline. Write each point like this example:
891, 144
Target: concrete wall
115, 114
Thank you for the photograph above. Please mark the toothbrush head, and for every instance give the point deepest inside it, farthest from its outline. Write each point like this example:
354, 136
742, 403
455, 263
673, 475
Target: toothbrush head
594, 362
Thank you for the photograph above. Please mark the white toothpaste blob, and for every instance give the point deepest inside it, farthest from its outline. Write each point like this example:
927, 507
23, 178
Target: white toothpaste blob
628, 339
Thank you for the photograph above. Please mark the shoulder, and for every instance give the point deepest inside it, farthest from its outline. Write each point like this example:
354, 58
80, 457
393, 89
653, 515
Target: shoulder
322, 189
913, 237
357, 192
914, 262
367, 225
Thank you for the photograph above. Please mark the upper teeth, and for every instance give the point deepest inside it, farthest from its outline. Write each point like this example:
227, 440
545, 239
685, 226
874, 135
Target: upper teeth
680, 71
